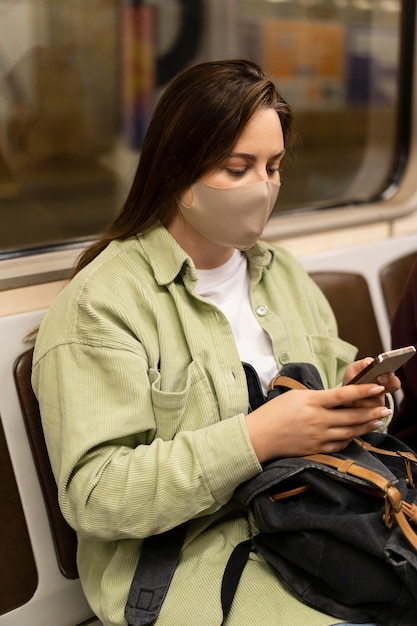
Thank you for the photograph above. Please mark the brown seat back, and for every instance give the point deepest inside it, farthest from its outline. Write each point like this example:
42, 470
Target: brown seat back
64, 536
348, 295
393, 278
18, 574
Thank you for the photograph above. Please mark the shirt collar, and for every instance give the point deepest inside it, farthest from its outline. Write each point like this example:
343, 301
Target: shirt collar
175, 261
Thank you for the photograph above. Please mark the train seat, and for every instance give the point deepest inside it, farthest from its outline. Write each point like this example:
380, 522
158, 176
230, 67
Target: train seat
15, 546
368, 260
349, 296
65, 539
393, 277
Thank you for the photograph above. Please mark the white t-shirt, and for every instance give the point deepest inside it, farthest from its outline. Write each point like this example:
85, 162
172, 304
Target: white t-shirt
227, 287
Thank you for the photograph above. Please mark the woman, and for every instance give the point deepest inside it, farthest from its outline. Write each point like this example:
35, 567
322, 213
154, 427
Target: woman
138, 364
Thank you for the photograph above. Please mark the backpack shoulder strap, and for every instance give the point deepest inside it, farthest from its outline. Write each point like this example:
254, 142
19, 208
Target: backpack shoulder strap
155, 569
232, 574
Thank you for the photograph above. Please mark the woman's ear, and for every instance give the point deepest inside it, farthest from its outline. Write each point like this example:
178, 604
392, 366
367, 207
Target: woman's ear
186, 197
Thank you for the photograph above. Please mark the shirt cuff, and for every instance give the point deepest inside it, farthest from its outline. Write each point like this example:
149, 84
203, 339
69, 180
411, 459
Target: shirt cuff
226, 456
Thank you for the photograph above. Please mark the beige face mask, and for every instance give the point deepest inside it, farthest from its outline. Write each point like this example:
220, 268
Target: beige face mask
231, 216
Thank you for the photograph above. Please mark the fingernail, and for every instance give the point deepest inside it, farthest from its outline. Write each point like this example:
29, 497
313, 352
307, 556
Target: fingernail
383, 379
377, 389
385, 412
377, 424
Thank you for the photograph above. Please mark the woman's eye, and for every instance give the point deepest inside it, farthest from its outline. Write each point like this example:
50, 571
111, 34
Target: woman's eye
236, 172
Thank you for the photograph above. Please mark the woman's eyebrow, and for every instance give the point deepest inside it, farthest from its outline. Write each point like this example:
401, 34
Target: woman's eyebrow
252, 157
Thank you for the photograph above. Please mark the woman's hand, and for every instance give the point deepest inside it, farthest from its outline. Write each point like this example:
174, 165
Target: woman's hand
301, 422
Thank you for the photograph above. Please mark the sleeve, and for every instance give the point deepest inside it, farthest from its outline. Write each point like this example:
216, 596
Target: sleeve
115, 479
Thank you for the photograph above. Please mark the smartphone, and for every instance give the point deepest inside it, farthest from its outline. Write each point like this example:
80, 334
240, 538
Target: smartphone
384, 363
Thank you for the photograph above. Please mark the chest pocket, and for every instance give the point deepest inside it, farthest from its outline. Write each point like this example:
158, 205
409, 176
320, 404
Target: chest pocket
331, 355
191, 406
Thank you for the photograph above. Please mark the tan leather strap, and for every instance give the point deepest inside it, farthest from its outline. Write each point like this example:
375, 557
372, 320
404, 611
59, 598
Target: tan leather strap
405, 526
290, 493
408, 457
368, 446
285, 381
347, 466
394, 504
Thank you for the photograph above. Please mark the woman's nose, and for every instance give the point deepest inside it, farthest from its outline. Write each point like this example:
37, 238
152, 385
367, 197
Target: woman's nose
261, 175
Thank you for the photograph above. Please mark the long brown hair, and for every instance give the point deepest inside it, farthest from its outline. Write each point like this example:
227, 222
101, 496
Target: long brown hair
194, 127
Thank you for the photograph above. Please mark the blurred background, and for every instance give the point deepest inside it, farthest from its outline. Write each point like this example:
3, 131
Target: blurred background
79, 80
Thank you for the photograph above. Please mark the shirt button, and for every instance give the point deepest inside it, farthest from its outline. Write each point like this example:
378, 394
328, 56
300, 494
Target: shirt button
262, 310
284, 358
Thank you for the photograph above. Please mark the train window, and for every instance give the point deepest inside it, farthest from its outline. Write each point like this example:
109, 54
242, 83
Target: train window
79, 79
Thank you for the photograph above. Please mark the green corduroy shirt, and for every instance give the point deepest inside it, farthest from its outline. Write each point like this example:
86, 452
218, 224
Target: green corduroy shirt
143, 397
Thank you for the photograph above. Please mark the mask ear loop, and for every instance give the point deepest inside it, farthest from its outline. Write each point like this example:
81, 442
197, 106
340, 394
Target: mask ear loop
181, 201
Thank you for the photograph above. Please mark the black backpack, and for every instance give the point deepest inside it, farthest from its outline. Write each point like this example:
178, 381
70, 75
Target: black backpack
334, 528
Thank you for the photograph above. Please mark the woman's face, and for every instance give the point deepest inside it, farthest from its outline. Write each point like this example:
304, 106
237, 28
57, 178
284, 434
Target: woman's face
256, 156
222, 221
